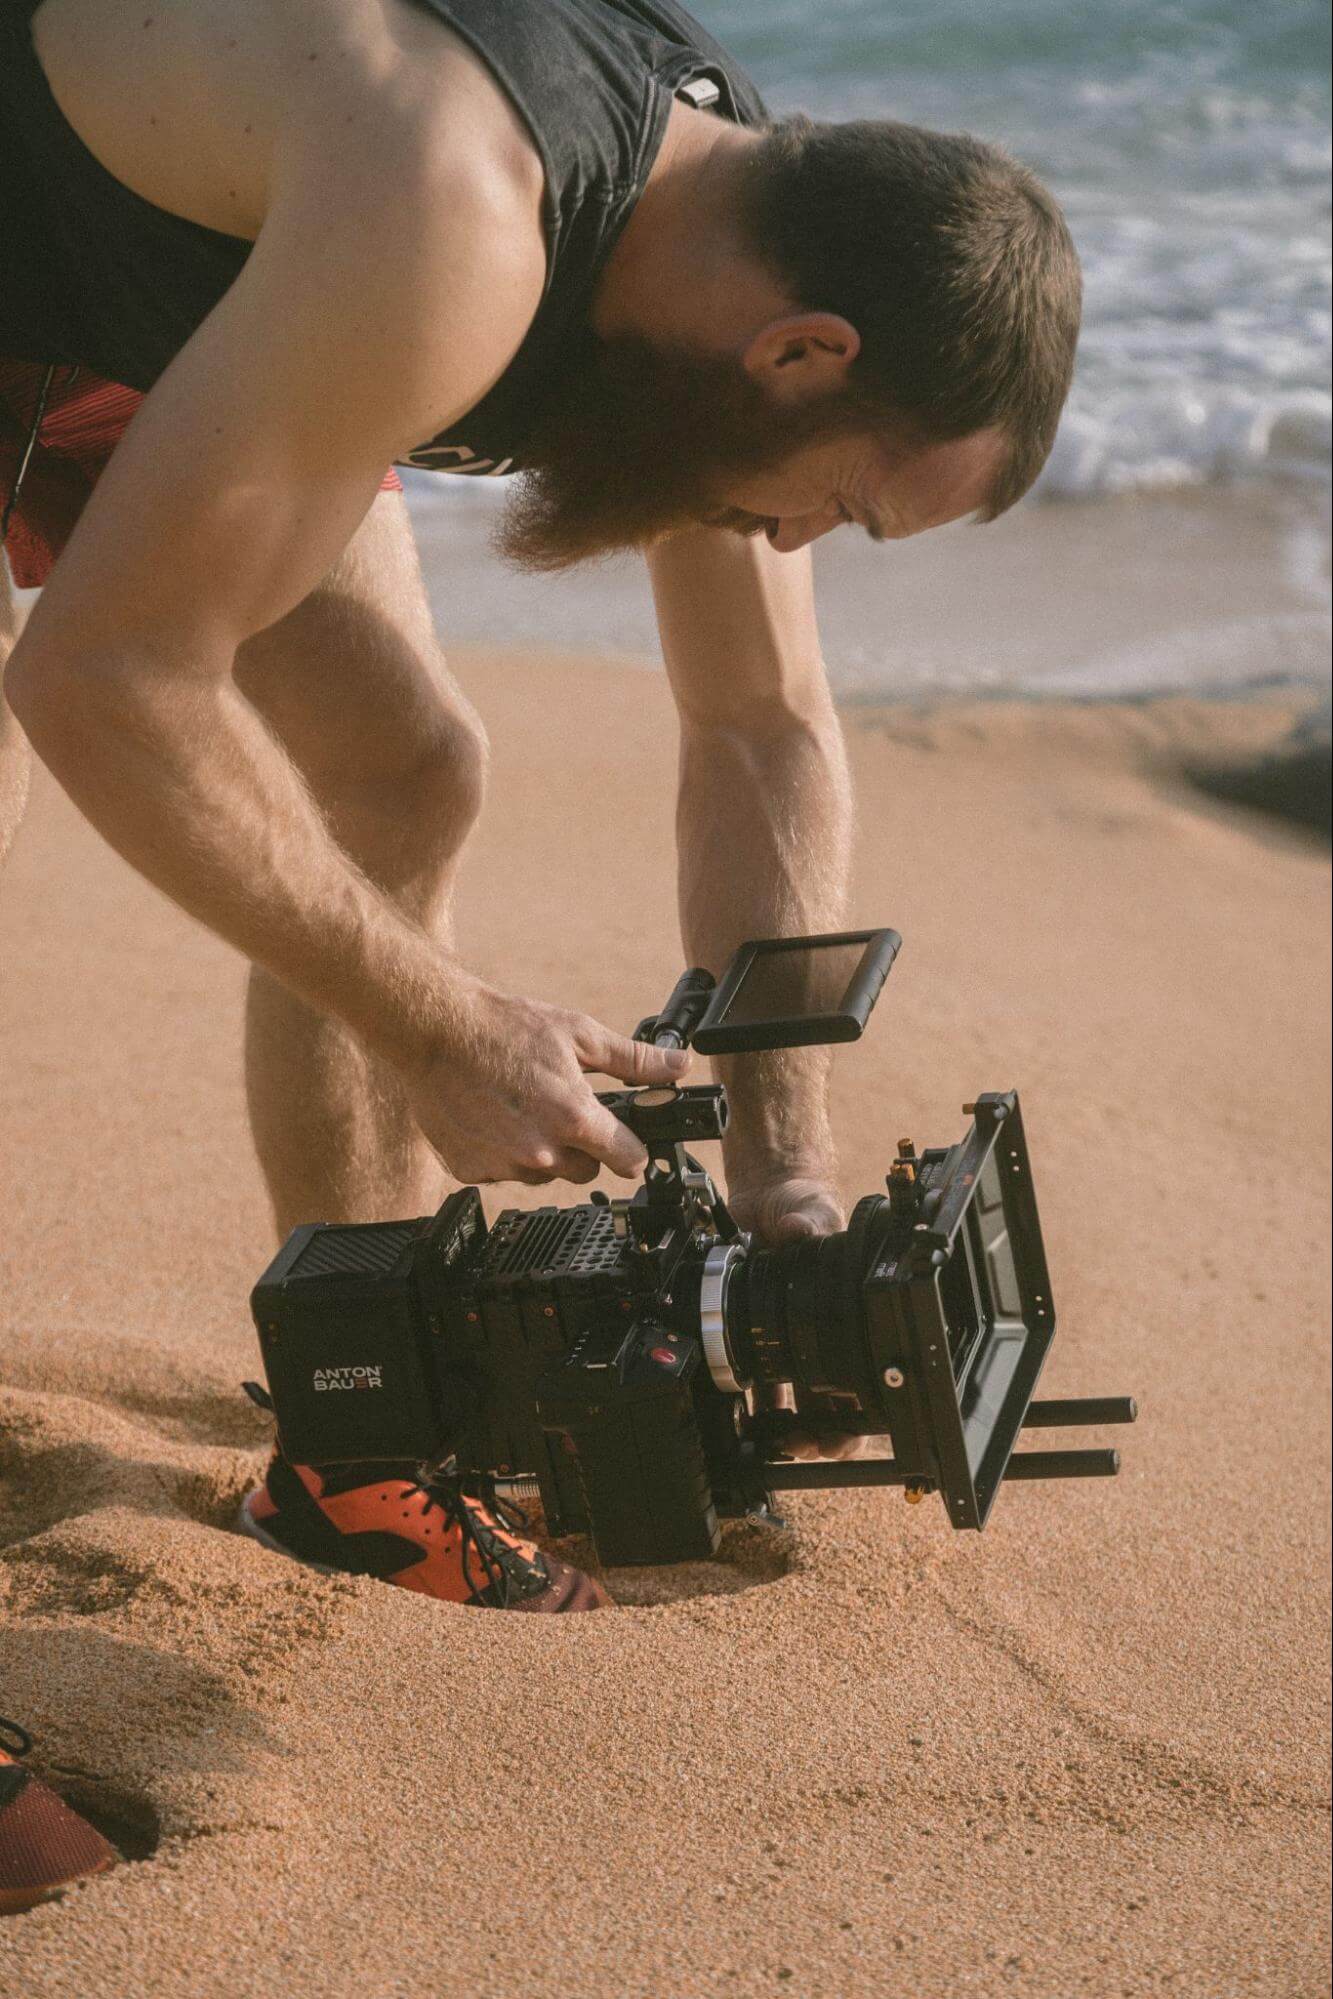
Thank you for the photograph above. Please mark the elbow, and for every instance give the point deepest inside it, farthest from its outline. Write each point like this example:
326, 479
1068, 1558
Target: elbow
61, 698
49, 694
28, 686
63, 693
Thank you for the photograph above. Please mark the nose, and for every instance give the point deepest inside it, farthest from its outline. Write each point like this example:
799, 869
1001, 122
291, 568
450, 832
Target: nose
786, 535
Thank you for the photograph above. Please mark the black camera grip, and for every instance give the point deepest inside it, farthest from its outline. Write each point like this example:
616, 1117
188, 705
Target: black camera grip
674, 1025
669, 1116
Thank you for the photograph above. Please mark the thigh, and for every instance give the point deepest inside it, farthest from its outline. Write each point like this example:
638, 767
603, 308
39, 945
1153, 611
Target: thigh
9, 615
355, 686
14, 756
8, 610
353, 681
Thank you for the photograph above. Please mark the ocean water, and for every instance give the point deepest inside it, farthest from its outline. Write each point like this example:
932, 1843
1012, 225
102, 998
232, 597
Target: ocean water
1189, 143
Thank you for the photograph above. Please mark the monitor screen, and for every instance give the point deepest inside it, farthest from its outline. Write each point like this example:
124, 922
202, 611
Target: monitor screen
793, 992
795, 982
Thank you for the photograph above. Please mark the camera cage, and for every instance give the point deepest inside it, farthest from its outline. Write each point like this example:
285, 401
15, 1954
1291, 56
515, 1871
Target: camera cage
944, 1282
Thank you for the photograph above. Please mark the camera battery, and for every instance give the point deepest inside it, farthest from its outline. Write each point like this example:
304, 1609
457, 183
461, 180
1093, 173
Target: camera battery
342, 1333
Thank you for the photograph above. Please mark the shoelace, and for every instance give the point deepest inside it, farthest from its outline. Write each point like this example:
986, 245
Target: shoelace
499, 1521
14, 1739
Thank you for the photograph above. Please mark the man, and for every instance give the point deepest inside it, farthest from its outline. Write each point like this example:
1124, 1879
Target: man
556, 237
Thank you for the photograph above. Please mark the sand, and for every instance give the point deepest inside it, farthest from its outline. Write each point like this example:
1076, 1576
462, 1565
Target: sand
1081, 1754
1223, 588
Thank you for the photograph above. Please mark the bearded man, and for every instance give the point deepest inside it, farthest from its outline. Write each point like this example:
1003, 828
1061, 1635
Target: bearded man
553, 238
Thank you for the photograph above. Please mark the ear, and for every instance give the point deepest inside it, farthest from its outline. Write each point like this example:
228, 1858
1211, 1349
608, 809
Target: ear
803, 355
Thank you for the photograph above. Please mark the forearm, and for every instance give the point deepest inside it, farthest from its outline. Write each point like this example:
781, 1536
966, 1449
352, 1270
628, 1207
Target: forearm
179, 774
764, 831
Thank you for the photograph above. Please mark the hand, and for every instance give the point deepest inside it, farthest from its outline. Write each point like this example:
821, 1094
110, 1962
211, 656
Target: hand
784, 1209
503, 1095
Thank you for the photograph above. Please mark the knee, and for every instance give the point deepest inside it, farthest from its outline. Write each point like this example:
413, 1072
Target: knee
448, 787
407, 826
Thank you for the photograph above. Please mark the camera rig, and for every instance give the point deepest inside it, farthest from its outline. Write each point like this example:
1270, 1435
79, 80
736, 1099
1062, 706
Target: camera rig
612, 1357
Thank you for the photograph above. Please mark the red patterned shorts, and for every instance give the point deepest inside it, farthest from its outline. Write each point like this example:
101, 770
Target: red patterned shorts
84, 420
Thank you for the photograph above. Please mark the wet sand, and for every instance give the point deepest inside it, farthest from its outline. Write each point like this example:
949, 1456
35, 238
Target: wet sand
1223, 590
1084, 1753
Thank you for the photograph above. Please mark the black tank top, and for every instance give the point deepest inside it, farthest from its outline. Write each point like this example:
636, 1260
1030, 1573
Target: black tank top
90, 273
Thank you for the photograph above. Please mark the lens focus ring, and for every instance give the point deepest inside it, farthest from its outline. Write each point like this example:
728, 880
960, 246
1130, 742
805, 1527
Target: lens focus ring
719, 1263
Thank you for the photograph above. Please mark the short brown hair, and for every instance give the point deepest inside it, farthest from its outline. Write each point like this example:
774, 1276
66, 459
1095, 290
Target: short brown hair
950, 259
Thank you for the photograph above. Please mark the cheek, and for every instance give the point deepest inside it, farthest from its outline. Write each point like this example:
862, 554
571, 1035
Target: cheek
804, 484
778, 494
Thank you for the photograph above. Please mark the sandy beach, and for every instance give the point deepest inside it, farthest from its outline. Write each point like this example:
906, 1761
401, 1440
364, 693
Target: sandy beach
1084, 1753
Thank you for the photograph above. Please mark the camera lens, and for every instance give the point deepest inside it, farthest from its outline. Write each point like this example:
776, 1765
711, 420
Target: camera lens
796, 1313
783, 1321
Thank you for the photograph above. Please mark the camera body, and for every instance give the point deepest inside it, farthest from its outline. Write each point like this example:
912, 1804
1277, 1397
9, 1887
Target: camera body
544, 1347
612, 1356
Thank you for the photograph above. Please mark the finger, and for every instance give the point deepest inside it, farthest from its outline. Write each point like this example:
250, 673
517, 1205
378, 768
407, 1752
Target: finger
559, 1163
603, 1137
790, 1228
815, 1217
842, 1447
628, 1061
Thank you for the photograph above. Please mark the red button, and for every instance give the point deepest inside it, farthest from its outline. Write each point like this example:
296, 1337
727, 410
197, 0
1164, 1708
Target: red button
664, 1356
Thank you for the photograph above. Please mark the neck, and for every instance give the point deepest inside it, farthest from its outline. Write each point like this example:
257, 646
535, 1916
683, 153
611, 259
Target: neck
682, 272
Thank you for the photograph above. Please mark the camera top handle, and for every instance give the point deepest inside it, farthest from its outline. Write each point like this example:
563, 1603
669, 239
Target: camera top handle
674, 1026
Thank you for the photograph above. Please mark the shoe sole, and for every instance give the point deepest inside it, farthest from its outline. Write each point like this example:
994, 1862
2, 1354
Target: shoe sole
17, 1901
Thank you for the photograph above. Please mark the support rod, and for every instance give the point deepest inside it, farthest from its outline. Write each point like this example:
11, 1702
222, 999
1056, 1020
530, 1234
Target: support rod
1075, 1414
1062, 1464
791, 1477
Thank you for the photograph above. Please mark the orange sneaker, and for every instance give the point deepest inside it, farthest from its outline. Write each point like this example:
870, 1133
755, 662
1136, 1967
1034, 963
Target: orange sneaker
417, 1529
44, 1846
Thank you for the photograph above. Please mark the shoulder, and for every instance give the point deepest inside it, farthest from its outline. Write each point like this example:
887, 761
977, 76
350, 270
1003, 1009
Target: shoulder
415, 116
410, 204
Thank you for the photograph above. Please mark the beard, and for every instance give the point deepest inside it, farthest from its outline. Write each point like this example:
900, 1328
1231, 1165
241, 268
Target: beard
636, 443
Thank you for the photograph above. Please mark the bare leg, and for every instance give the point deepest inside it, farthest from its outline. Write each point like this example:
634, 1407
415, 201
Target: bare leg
15, 757
354, 685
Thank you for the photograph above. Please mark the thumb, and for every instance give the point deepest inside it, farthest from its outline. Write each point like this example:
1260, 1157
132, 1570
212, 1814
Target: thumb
793, 1225
628, 1061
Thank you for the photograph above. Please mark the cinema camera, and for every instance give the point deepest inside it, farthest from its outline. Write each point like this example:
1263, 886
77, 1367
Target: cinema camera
610, 1357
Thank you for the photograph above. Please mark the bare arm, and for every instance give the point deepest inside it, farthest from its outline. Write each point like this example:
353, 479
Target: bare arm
236, 486
764, 812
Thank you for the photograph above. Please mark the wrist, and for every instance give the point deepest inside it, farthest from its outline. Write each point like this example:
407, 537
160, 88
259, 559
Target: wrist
414, 1008
779, 1112
756, 1163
